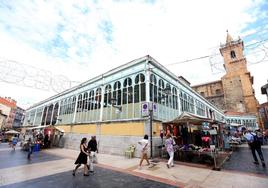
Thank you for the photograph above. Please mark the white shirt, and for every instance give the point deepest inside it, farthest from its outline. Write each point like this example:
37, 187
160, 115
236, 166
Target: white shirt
144, 145
249, 136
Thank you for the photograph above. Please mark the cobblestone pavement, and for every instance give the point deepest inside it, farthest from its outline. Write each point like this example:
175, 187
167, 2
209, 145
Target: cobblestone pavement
102, 178
242, 161
47, 170
10, 158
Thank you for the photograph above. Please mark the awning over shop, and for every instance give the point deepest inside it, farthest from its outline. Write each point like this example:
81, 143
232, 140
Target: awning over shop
37, 127
235, 125
12, 132
187, 117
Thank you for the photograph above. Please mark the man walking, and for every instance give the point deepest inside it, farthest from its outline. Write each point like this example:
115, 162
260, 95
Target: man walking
93, 149
255, 145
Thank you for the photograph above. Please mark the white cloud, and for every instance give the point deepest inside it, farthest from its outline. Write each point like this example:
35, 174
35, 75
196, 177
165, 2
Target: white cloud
170, 31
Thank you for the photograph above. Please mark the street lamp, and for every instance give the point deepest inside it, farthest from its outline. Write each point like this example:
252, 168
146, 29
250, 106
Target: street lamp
167, 92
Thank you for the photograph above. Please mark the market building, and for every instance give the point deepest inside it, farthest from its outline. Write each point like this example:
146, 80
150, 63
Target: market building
234, 93
122, 105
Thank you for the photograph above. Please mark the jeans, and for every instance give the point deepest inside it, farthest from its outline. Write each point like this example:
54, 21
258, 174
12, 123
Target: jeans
30, 152
92, 159
258, 149
171, 156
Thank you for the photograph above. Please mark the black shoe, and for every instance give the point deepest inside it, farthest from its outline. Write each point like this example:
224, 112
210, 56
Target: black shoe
86, 174
263, 164
73, 173
256, 162
91, 172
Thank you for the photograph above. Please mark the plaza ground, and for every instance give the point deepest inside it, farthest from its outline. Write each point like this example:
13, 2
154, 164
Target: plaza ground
53, 167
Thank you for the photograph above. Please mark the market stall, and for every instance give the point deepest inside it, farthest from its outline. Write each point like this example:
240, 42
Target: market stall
8, 135
197, 139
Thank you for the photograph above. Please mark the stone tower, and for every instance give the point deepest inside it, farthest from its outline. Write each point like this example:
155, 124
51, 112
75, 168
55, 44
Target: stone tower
237, 83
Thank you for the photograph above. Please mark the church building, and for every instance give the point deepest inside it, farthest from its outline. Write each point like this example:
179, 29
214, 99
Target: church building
233, 93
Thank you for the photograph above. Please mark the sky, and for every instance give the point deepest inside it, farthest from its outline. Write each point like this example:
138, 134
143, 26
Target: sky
47, 46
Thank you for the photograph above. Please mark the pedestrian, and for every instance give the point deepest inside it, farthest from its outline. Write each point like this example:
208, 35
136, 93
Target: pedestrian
144, 150
254, 145
14, 142
170, 149
93, 149
82, 158
30, 148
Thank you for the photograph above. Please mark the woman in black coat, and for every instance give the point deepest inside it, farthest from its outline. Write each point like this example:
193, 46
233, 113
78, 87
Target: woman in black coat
82, 157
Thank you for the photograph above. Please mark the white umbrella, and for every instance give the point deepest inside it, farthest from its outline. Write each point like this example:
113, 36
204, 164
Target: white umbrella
12, 132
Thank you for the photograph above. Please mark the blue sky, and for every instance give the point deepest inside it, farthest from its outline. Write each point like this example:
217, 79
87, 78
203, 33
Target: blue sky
81, 39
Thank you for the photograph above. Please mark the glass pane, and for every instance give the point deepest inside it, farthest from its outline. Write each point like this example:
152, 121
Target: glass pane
136, 94
143, 92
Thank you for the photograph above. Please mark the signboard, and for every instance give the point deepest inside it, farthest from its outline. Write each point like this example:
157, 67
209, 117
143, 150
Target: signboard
145, 109
146, 106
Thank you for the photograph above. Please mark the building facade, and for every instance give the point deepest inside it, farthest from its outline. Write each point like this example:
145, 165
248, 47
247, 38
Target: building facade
19, 117
8, 107
234, 92
263, 110
115, 106
3, 118
264, 90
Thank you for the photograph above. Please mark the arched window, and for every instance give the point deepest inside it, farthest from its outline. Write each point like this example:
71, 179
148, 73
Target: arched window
79, 103
186, 103
55, 114
85, 103
233, 54
218, 92
161, 86
175, 98
49, 114
168, 98
153, 88
44, 116
181, 101
69, 106
127, 91
107, 96
98, 98
91, 100
64, 107
139, 88
73, 104
191, 104
117, 93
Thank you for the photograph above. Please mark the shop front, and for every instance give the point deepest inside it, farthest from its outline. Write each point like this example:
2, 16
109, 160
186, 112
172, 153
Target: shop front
198, 140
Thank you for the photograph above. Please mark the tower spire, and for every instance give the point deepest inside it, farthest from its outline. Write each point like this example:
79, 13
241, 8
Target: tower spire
228, 38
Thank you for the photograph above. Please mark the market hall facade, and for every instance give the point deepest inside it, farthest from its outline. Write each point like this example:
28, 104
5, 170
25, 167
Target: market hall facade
115, 106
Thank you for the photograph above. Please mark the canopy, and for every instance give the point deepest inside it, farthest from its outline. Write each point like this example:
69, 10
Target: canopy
12, 132
235, 125
37, 127
187, 117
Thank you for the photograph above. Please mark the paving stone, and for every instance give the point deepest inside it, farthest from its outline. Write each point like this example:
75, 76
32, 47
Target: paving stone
242, 160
